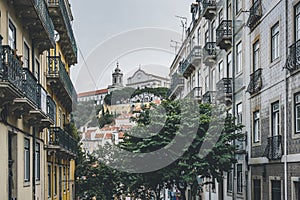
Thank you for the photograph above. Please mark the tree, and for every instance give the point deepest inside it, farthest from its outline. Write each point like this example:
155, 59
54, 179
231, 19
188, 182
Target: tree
212, 138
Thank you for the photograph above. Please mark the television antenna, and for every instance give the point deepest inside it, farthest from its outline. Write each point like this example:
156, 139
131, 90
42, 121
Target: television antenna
183, 21
175, 45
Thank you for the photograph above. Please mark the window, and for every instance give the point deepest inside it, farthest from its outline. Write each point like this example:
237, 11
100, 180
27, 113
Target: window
26, 160
256, 56
275, 42
26, 56
229, 64
297, 190
55, 180
297, 112
206, 36
229, 9
213, 79
297, 22
12, 35
229, 181
65, 179
239, 109
206, 83
221, 16
221, 70
275, 118
256, 127
213, 29
49, 181
239, 57
238, 6
256, 189
276, 190
239, 178
37, 161
36, 70
69, 177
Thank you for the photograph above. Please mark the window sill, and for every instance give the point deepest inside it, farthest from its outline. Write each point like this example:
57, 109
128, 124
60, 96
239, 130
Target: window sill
26, 184
255, 144
275, 62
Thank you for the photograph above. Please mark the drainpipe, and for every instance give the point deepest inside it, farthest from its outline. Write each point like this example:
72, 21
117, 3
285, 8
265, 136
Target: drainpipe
33, 130
234, 189
286, 108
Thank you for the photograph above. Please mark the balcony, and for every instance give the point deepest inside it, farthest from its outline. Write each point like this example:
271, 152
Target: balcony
255, 14
195, 93
20, 92
209, 53
51, 109
177, 84
60, 141
60, 82
209, 97
273, 150
224, 34
255, 84
190, 63
293, 60
209, 9
61, 19
35, 17
224, 91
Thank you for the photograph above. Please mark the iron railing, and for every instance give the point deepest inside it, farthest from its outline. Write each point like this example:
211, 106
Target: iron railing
293, 60
224, 86
11, 68
255, 84
208, 3
210, 48
273, 150
61, 138
43, 13
176, 81
30, 86
66, 18
224, 30
255, 13
51, 108
195, 93
209, 97
195, 53
56, 68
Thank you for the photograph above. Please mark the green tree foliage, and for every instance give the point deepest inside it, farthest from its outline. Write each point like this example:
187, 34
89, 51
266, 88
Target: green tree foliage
105, 118
86, 113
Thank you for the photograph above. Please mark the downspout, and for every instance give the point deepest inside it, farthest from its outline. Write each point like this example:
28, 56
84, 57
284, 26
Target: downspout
33, 131
234, 189
286, 107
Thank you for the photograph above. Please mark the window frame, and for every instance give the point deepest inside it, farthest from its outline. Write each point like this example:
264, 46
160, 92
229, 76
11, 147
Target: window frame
296, 118
239, 109
275, 119
229, 181
49, 181
260, 188
239, 57
26, 52
275, 31
256, 55
296, 18
37, 161
26, 160
256, 127
12, 39
239, 182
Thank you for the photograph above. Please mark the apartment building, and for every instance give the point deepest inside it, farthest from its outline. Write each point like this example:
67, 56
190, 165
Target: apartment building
37, 96
245, 54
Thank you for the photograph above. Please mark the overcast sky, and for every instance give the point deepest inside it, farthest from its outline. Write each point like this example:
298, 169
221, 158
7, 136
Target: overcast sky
132, 32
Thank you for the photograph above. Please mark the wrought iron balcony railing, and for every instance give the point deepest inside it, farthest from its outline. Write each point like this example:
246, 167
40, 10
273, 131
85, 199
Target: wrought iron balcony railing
190, 62
30, 86
255, 84
61, 139
67, 30
255, 14
224, 34
177, 82
11, 68
56, 70
293, 60
195, 93
210, 49
209, 97
209, 8
51, 108
273, 150
224, 86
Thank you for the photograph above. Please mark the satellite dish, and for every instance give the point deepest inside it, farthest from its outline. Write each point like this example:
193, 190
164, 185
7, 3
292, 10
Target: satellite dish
56, 36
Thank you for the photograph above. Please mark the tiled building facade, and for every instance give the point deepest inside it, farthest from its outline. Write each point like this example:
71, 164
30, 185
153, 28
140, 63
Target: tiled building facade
37, 97
246, 53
